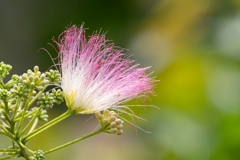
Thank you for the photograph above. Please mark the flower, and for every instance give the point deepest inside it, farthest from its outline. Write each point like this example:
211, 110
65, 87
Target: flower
97, 75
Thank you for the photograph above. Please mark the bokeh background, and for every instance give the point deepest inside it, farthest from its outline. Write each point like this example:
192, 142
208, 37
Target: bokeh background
192, 45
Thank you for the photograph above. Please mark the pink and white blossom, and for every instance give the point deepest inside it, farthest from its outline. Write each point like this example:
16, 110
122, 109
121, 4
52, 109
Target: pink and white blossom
97, 75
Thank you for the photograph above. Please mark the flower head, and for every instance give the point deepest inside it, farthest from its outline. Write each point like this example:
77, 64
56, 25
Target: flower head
97, 75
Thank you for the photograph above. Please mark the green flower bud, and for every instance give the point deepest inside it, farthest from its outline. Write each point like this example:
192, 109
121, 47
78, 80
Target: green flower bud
34, 93
30, 78
39, 155
15, 77
36, 69
32, 84
105, 112
120, 126
25, 82
105, 121
119, 121
4, 94
113, 118
113, 130
29, 72
100, 117
24, 76
40, 88
36, 79
97, 114
20, 79
113, 124
119, 132
43, 76
4, 70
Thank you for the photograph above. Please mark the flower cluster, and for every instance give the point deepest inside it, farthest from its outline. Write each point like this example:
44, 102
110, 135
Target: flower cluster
4, 70
97, 75
109, 122
47, 100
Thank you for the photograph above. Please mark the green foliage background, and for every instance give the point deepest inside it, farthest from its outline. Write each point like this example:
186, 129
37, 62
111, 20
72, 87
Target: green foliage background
193, 47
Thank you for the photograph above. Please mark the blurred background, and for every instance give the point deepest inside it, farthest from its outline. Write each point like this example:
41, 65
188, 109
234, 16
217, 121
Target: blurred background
194, 49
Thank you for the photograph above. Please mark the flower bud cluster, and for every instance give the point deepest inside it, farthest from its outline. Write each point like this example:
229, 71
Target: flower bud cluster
53, 76
34, 79
47, 100
15, 77
4, 94
42, 116
4, 70
109, 122
19, 90
38, 155
12, 104
57, 96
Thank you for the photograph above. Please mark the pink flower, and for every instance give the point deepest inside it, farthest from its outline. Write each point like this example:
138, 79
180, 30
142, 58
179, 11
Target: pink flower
97, 75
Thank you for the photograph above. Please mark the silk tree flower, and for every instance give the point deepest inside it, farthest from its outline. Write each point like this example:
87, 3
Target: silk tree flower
97, 75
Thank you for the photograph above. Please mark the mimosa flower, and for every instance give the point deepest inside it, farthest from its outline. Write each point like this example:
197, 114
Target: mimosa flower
96, 75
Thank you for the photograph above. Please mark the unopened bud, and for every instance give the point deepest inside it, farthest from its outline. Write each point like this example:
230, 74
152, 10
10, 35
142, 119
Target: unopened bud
119, 132
120, 126
32, 84
97, 114
113, 124
119, 121
113, 130
105, 112
112, 119
34, 93
105, 121
24, 76
29, 72
30, 78
36, 79
36, 68
43, 76
100, 117
25, 81
45, 82
20, 79
40, 88
111, 112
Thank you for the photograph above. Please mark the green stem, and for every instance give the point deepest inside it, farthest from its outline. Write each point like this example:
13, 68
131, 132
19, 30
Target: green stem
3, 133
72, 142
27, 115
33, 126
39, 93
10, 84
7, 117
23, 146
7, 133
2, 85
30, 123
6, 106
9, 150
4, 124
20, 108
46, 126
24, 111
13, 143
5, 113
6, 158
16, 108
8, 153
